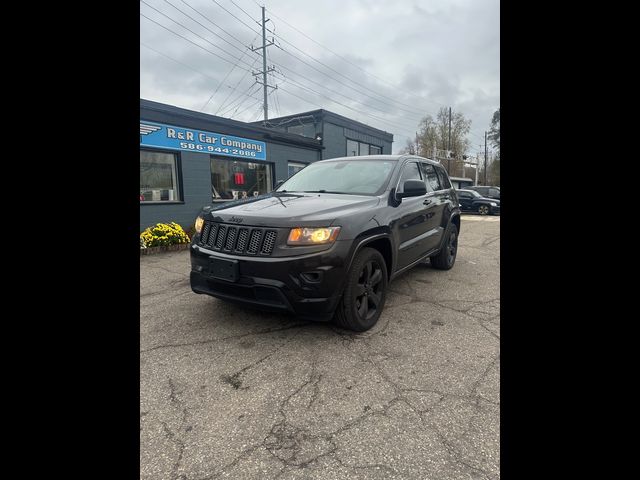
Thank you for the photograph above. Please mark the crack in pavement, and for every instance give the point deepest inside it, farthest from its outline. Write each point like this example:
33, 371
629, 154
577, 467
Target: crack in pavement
163, 300
284, 441
167, 270
231, 337
235, 379
244, 454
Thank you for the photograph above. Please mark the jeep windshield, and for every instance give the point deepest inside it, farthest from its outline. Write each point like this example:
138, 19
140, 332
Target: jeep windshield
351, 177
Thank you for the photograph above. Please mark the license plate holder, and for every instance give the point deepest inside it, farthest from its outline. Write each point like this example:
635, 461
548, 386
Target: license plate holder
224, 269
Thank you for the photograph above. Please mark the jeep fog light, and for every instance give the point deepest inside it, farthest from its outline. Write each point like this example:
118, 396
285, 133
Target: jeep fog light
313, 236
199, 223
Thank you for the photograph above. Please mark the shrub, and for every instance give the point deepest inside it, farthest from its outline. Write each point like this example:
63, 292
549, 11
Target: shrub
163, 234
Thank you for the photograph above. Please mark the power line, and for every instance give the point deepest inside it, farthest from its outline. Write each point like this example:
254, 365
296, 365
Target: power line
341, 82
178, 61
243, 11
258, 113
347, 61
326, 87
186, 28
224, 79
302, 76
339, 103
250, 66
215, 24
203, 26
234, 107
222, 58
225, 107
259, 102
415, 112
235, 87
181, 63
240, 20
305, 88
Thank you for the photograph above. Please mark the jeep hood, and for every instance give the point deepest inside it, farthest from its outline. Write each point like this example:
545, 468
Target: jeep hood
290, 209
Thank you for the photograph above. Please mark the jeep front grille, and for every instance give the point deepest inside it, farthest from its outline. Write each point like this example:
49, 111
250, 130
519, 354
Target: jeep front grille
238, 240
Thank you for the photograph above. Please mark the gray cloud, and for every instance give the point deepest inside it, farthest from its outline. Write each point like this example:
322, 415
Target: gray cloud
422, 55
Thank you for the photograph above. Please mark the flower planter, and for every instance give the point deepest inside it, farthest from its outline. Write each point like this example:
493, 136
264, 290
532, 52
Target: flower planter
164, 248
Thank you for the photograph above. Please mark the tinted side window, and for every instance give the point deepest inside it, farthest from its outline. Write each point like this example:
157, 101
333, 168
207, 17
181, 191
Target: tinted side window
409, 172
463, 195
444, 178
494, 193
431, 177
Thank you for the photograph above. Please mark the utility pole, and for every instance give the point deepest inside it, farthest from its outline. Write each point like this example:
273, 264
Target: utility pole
477, 165
449, 149
265, 70
485, 157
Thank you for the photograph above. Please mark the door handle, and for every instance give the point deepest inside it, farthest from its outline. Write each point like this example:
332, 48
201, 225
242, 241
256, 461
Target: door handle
427, 202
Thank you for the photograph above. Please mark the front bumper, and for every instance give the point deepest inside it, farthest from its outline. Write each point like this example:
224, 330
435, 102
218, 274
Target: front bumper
495, 210
309, 286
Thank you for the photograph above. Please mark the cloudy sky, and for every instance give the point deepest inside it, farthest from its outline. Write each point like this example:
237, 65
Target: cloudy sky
385, 63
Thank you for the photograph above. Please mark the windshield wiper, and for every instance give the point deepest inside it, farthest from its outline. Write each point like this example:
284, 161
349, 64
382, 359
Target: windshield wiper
320, 191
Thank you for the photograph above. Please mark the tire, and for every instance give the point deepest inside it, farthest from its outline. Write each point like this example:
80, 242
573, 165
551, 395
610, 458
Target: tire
484, 209
365, 292
446, 258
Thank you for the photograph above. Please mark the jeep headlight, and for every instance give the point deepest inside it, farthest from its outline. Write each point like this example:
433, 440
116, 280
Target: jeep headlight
313, 236
493, 204
199, 223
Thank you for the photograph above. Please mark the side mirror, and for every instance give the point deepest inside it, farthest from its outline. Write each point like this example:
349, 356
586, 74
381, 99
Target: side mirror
413, 188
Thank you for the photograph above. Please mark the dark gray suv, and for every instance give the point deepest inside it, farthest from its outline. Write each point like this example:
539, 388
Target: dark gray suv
326, 243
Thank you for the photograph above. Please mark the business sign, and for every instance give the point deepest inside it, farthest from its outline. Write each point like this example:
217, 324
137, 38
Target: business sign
179, 138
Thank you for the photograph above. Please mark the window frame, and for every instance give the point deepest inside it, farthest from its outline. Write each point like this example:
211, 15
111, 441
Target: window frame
237, 159
427, 183
360, 145
442, 175
295, 164
347, 154
404, 165
177, 155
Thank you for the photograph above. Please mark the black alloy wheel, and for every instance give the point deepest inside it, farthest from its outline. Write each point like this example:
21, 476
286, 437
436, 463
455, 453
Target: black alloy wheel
365, 292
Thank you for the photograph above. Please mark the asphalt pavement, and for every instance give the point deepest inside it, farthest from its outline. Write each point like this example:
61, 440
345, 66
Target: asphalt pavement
230, 392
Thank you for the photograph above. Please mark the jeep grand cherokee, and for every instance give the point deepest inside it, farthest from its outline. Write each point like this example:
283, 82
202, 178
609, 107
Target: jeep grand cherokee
327, 242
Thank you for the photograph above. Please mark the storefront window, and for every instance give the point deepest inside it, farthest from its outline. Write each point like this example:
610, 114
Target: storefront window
352, 148
359, 148
295, 168
233, 179
158, 179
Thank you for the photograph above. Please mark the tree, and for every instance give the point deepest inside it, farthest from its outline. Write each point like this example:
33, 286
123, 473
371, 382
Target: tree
494, 131
494, 136
435, 133
409, 148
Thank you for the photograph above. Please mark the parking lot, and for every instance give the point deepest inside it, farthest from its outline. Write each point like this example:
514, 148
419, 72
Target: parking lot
229, 392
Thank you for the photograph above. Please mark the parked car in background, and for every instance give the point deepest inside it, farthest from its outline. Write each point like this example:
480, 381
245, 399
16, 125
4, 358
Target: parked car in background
472, 201
486, 191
